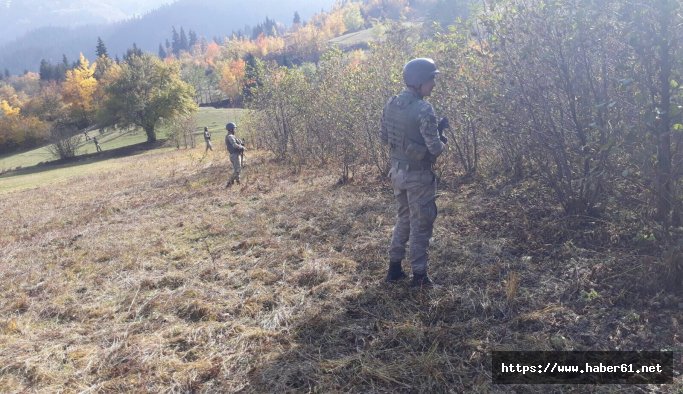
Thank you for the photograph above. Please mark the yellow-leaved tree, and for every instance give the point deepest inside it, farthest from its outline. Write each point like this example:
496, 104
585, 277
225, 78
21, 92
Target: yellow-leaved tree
7, 109
78, 92
232, 73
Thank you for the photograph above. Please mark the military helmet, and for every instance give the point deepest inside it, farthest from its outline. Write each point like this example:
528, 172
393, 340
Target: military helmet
230, 126
418, 71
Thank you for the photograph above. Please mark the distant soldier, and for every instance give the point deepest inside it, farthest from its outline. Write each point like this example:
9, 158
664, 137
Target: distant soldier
235, 149
97, 144
410, 129
207, 139
87, 137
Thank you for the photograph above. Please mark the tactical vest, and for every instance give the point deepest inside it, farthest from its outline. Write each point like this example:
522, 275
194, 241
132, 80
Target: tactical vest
401, 118
232, 149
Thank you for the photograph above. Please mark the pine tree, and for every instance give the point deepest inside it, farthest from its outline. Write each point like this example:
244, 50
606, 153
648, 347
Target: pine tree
162, 52
193, 39
175, 41
183, 40
101, 49
45, 71
7, 74
297, 18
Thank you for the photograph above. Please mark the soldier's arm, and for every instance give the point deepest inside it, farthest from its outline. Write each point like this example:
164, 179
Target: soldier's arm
429, 131
233, 142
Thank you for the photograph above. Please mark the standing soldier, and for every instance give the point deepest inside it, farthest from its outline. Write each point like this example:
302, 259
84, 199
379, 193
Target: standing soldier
410, 129
207, 139
235, 149
97, 144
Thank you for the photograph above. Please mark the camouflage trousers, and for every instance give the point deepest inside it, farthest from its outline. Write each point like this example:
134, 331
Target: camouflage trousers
236, 160
415, 193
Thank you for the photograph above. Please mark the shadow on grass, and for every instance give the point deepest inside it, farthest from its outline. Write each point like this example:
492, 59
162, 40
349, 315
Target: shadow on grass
385, 338
88, 158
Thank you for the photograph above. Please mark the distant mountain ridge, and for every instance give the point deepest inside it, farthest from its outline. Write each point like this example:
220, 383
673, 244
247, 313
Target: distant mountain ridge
208, 18
17, 17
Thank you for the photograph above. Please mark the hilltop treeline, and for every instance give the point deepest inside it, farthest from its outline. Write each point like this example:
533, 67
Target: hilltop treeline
76, 95
73, 95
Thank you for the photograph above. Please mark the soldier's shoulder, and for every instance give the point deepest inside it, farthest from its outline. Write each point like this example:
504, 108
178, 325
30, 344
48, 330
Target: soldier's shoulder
390, 100
425, 108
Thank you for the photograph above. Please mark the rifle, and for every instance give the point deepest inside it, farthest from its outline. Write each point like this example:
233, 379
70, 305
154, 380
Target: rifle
243, 143
443, 125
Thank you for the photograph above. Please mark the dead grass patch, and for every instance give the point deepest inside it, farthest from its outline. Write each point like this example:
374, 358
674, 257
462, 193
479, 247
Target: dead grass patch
141, 281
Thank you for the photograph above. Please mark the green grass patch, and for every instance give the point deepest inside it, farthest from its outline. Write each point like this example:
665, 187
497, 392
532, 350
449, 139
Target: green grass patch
213, 118
33, 176
54, 174
356, 38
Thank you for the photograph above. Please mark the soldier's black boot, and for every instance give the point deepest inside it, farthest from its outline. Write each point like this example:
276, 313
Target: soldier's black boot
421, 281
395, 272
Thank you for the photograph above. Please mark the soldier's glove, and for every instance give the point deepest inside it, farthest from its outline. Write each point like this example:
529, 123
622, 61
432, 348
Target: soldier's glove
443, 124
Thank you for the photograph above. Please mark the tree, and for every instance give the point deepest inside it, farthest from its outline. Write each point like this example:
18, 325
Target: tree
653, 33
175, 41
297, 18
104, 63
64, 137
19, 131
147, 91
45, 70
193, 39
101, 50
184, 45
162, 52
78, 91
132, 52
253, 74
52, 72
232, 78
7, 109
353, 19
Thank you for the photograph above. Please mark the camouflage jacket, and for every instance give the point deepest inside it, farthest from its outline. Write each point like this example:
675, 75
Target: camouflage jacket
233, 144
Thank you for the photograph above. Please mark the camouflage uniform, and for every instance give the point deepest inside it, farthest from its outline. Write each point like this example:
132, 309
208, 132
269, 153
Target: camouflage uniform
235, 148
207, 139
409, 127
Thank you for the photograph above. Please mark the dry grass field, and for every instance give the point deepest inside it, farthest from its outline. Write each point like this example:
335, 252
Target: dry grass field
152, 277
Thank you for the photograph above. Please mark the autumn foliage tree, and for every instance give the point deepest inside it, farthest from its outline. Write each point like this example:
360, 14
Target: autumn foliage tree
18, 131
78, 91
232, 78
